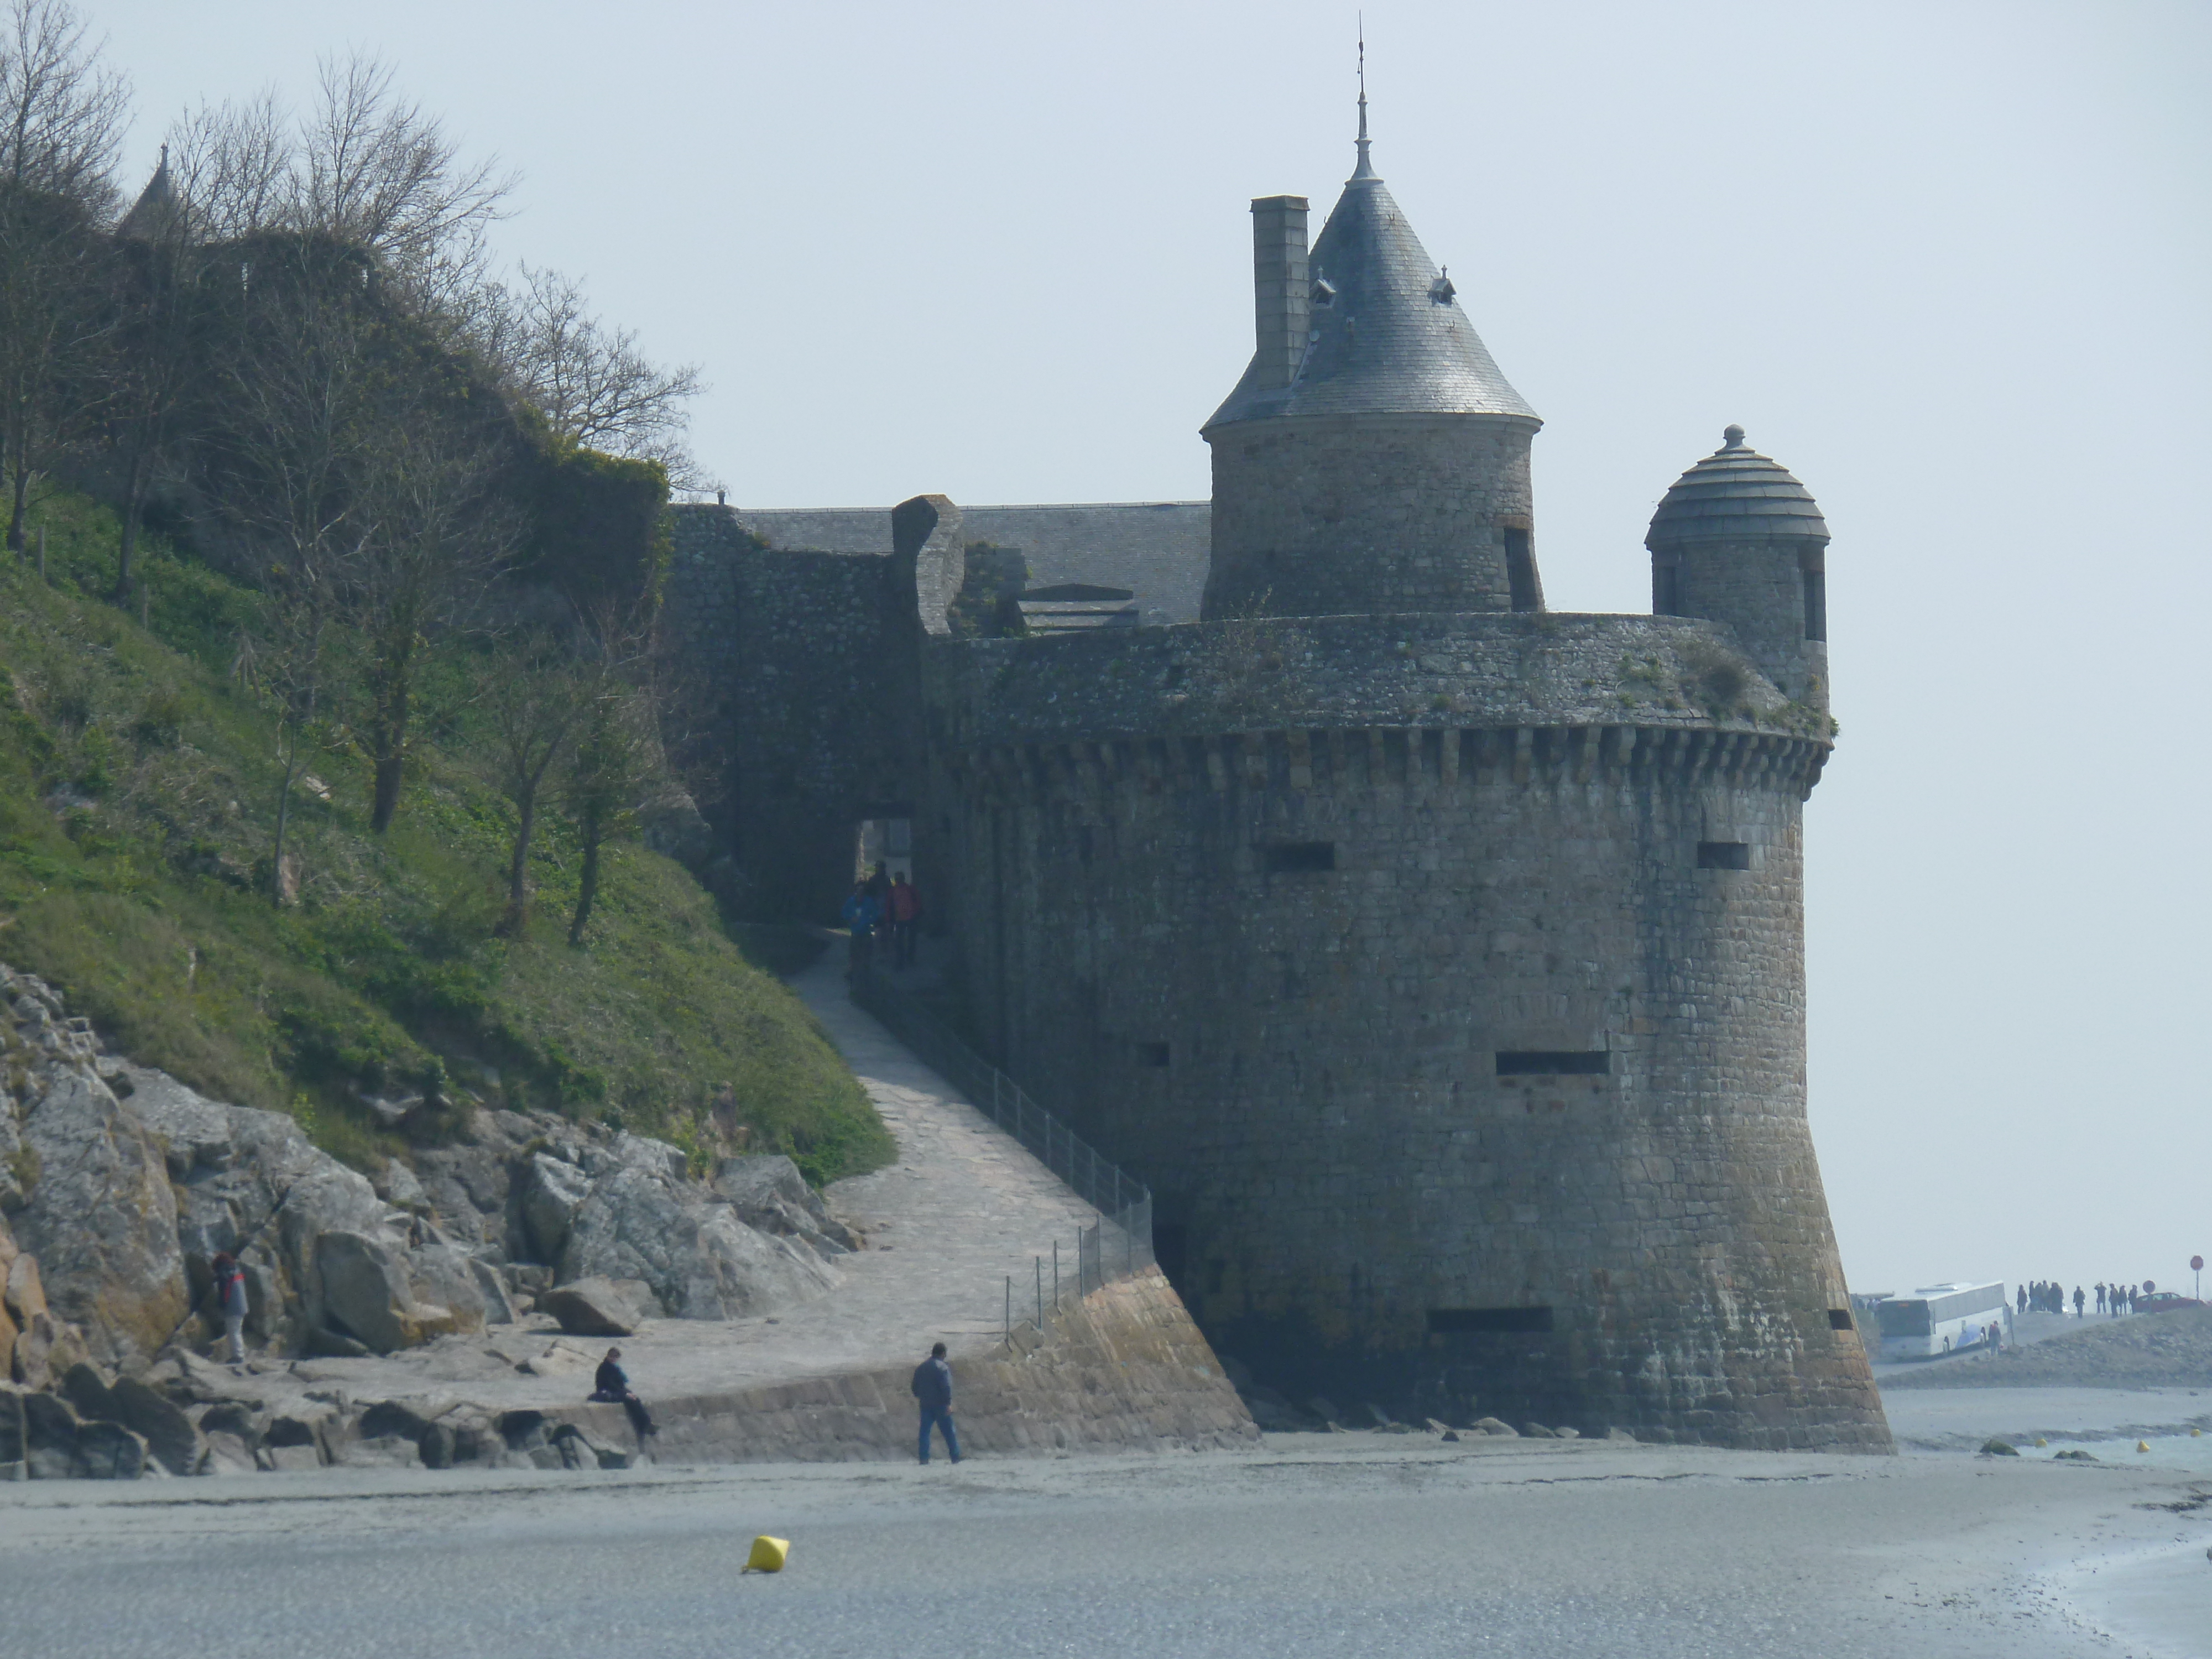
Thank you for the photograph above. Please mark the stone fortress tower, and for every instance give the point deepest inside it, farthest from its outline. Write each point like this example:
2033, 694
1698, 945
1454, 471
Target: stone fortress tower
1435, 958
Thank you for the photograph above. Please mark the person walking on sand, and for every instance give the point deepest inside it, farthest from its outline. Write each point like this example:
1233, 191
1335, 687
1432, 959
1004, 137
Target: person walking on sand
932, 1387
610, 1386
230, 1304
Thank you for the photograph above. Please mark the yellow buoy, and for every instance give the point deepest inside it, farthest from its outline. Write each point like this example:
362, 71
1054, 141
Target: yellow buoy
768, 1554
2142, 1445
2196, 1434
2040, 1441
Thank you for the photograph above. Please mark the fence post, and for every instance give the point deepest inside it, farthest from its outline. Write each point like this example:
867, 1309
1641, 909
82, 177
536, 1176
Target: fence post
1008, 1333
1039, 1293
1055, 1275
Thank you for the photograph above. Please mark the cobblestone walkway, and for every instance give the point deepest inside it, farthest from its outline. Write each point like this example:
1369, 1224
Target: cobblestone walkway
965, 1207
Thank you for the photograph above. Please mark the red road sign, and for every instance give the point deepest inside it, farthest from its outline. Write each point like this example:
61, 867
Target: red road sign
2197, 1264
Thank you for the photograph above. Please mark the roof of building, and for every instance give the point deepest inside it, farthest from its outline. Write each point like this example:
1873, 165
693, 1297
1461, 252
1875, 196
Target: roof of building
1387, 335
157, 203
1734, 492
1156, 549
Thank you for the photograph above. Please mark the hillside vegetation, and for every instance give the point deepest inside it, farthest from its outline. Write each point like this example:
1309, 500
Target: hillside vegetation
139, 778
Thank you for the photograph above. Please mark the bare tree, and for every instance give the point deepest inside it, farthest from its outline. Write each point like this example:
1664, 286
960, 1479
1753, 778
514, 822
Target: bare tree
63, 111
376, 171
286, 460
538, 692
615, 754
590, 381
62, 116
283, 664
230, 166
441, 533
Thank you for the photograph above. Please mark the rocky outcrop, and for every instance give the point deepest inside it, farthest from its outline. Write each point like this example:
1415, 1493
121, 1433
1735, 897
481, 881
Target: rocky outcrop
642, 1219
99, 1216
118, 1185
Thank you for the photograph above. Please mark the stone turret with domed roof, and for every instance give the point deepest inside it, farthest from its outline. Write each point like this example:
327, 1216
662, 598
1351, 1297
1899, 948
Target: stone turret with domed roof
1370, 389
1739, 540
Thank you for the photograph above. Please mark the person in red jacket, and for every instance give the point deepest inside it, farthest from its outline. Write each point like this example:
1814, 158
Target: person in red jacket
230, 1305
906, 912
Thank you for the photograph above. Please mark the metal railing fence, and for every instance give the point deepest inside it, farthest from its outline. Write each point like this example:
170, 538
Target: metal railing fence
1118, 1245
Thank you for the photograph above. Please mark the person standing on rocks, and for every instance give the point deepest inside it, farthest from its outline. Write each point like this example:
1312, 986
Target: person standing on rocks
230, 1305
932, 1387
610, 1386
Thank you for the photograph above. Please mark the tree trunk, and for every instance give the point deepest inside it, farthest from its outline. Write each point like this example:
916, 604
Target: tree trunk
587, 888
283, 818
18, 509
134, 507
387, 735
518, 870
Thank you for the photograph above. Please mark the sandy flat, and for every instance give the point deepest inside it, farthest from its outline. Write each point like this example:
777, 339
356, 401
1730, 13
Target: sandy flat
1319, 1546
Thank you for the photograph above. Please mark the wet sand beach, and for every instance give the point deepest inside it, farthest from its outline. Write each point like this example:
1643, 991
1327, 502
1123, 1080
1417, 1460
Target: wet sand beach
1311, 1544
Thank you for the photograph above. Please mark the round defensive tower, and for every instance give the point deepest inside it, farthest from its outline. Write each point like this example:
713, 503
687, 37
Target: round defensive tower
1372, 457
1439, 966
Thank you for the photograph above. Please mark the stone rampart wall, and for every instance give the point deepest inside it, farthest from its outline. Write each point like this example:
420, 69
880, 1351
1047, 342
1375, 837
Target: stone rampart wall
800, 670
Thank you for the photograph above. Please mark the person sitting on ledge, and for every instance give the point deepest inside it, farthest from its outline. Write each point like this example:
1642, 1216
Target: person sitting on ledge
611, 1387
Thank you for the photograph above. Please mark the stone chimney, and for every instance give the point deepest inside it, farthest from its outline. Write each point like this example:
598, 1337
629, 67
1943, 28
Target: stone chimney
1281, 301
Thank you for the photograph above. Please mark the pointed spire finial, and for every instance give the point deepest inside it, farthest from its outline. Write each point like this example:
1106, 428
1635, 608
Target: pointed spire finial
1366, 168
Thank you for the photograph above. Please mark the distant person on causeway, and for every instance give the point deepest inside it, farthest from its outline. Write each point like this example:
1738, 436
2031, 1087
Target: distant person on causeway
2078, 1300
611, 1387
932, 1387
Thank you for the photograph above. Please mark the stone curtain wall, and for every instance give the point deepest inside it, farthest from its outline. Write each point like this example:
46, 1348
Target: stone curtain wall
1324, 518
797, 667
1271, 970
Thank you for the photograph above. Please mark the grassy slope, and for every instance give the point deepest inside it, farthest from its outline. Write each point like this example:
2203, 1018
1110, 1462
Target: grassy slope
138, 784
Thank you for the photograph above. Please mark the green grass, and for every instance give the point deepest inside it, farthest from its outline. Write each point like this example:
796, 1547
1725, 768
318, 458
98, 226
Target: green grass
138, 797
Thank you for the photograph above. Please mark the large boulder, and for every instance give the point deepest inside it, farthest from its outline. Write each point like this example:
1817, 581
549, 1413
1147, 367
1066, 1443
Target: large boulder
11, 1432
102, 1219
363, 1285
552, 1195
640, 1221
172, 1439
597, 1307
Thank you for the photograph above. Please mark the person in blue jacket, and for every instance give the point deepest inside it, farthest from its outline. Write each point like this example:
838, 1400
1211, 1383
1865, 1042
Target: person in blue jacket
932, 1387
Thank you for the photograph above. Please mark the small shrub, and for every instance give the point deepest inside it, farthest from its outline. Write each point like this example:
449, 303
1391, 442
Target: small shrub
161, 722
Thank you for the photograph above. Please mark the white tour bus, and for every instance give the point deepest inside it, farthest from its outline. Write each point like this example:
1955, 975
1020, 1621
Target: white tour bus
1940, 1319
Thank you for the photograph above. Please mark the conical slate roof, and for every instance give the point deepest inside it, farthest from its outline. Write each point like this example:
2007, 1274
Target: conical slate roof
1387, 336
1735, 492
150, 214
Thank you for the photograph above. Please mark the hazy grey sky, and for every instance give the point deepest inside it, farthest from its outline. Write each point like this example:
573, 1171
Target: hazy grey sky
1948, 263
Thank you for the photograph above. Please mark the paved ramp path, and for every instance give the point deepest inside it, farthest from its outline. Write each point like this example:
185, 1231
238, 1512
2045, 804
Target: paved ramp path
965, 1207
